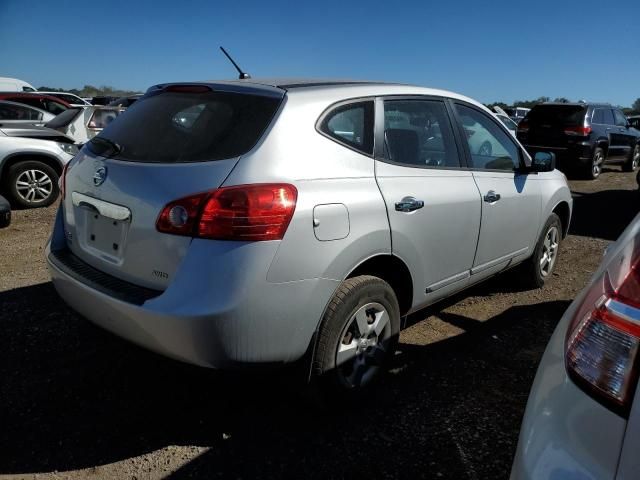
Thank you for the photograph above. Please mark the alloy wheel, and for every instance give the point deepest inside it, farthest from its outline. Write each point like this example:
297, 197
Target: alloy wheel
596, 166
34, 186
363, 346
549, 251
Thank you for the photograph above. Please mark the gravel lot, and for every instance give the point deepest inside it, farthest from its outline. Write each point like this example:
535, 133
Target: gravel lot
76, 402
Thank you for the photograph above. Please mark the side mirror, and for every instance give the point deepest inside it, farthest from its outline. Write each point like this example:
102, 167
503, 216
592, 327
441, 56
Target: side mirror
543, 162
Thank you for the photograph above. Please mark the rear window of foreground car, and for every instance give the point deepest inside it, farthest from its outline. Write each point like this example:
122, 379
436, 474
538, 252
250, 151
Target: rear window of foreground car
179, 127
557, 114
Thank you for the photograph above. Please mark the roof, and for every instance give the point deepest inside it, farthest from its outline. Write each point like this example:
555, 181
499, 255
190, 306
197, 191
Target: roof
291, 83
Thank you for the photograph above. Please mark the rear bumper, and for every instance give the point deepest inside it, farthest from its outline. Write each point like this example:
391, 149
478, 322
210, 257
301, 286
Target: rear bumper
214, 314
565, 433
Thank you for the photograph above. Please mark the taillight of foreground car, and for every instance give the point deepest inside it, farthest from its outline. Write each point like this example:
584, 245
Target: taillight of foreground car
601, 350
62, 181
245, 212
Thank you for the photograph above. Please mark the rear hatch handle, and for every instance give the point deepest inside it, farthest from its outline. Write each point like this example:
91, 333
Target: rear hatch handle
106, 209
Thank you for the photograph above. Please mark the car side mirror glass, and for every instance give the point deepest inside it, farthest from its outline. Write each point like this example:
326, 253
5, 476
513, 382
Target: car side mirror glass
543, 162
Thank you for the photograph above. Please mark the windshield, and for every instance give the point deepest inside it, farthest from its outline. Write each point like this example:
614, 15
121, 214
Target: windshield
174, 127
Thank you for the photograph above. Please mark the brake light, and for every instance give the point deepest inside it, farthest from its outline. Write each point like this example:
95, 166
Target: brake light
523, 127
188, 88
246, 212
62, 182
601, 349
578, 131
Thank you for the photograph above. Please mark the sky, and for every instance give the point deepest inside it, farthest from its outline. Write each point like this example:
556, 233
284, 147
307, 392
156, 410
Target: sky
488, 50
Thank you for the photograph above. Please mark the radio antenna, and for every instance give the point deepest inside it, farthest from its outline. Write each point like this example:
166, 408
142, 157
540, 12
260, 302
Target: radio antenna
242, 75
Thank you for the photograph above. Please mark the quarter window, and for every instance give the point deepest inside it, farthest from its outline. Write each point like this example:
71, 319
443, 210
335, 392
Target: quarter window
490, 146
418, 133
352, 125
621, 120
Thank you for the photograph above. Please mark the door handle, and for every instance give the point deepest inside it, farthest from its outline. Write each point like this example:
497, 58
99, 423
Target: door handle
491, 197
409, 204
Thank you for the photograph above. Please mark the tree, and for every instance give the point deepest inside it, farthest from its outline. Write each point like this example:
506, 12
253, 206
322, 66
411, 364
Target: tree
636, 105
561, 100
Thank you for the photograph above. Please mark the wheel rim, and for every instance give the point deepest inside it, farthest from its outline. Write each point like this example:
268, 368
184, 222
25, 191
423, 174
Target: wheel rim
34, 186
598, 160
363, 345
636, 158
549, 251
485, 149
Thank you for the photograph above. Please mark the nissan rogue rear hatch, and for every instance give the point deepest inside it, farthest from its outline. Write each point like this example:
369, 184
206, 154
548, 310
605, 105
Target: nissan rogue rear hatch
174, 142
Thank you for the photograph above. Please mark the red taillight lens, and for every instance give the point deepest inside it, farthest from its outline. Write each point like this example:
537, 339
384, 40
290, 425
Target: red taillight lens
62, 182
577, 131
245, 212
523, 127
601, 351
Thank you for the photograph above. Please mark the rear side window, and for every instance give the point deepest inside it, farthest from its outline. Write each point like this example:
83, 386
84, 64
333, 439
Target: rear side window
18, 112
351, 124
598, 116
180, 127
559, 115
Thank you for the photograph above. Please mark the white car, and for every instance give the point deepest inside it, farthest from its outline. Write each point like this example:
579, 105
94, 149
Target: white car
582, 421
15, 85
82, 124
19, 114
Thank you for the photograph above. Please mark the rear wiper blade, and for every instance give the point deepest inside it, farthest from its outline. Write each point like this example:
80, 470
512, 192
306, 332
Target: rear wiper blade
104, 147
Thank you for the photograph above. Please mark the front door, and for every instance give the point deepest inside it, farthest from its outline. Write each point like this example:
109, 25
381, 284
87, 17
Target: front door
622, 139
432, 202
511, 200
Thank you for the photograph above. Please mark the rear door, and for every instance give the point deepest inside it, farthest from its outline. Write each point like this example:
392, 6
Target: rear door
432, 201
171, 145
511, 200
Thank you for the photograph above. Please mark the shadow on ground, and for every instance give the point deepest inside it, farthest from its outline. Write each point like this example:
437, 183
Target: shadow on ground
604, 214
73, 396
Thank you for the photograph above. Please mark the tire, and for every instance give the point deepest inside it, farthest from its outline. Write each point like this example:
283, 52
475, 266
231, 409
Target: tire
594, 169
345, 360
32, 184
634, 161
535, 272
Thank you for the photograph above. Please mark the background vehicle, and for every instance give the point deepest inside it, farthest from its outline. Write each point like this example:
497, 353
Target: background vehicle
583, 136
315, 259
31, 161
510, 124
517, 113
102, 100
634, 121
43, 102
582, 400
15, 85
125, 102
18, 114
5, 212
70, 98
82, 124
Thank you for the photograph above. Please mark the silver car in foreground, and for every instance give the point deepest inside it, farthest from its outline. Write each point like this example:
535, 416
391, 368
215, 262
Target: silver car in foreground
265, 222
581, 420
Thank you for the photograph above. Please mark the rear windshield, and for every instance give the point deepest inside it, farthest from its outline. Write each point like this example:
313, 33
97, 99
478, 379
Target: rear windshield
557, 114
176, 127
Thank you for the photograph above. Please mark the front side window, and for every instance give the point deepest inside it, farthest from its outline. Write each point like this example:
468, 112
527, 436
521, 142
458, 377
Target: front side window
418, 133
490, 147
352, 125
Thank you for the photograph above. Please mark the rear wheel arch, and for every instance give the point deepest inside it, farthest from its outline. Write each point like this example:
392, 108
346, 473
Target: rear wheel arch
603, 143
392, 270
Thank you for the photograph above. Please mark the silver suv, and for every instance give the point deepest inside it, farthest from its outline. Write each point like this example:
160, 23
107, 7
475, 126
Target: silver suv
255, 222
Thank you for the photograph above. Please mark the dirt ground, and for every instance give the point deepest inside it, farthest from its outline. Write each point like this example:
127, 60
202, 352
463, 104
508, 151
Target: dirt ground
77, 402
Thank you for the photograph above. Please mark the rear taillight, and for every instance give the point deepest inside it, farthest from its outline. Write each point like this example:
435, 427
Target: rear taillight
523, 127
62, 182
578, 131
601, 350
244, 212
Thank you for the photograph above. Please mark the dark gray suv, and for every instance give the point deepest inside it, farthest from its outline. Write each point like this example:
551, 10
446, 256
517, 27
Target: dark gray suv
582, 135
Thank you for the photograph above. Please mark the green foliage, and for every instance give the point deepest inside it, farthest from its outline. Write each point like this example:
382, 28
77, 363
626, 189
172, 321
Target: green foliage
91, 91
636, 105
